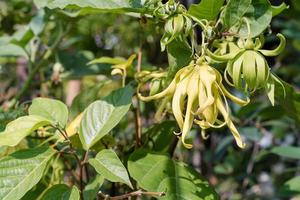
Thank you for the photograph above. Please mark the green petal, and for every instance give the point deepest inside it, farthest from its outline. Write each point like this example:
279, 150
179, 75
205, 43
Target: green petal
278, 50
249, 69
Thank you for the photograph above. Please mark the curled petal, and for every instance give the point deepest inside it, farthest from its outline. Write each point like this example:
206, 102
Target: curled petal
204, 135
221, 58
235, 99
116, 71
278, 50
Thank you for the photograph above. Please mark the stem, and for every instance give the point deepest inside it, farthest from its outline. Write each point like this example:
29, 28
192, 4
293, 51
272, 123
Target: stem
37, 67
138, 121
173, 146
132, 194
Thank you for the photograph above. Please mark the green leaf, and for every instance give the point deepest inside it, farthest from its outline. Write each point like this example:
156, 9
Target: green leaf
288, 99
107, 5
50, 109
287, 151
234, 11
84, 98
62, 192
276, 10
110, 167
92, 188
102, 116
291, 187
259, 15
109, 60
158, 173
18, 129
37, 23
251, 133
206, 9
12, 50
22, 170
179, 55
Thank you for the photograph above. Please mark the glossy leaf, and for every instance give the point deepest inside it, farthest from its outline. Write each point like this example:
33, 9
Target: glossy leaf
110, 167
206, 9
18, 129
37, 23
50, 109
22, 170
291, 187
158, 173
62, 192
287, 151
103, 115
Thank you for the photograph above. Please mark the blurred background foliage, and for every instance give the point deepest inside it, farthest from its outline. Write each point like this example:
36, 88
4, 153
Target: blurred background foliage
267, 169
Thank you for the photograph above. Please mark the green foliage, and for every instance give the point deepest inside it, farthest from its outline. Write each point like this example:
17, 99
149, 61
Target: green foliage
103, 115
206, 9
110, 167
53, 110
51, 151
31, 164
157, 172
61, 191
18, 129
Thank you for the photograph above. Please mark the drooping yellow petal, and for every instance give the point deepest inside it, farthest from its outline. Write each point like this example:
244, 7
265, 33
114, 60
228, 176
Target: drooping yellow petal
230, 125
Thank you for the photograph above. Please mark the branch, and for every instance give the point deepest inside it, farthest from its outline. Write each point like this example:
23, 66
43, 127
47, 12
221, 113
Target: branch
37, 67
131, 194
138, 121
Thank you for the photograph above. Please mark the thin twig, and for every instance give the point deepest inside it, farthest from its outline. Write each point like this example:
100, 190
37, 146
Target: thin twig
132, 194
138, 121
37, 67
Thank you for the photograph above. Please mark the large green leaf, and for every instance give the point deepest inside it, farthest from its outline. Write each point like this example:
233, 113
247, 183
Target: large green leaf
18, 129
61, 192
287, 151
51, 109
206, 9
92, 188
234, 11
158, 173
22, 170
102, 116
110, 167
179, 55
12, 50
259, 15
107, 5
83, 99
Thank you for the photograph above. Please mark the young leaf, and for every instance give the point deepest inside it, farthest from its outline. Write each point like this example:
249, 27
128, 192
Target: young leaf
61, 191
291, 187
18, 129
206, 9
22, 170
103, 115
158, 173
110, 167
51, 109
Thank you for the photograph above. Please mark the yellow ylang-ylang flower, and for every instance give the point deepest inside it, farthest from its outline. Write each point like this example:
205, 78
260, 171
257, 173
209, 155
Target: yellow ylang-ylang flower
198, 96
247, 68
